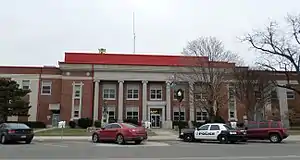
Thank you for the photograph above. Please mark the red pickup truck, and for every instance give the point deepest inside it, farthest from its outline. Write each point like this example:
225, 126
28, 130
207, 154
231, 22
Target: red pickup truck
267, 130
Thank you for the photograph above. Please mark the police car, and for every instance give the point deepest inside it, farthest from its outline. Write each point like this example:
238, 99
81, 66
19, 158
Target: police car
213, 132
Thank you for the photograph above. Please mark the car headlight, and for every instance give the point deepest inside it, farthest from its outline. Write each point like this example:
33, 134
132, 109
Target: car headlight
181, 133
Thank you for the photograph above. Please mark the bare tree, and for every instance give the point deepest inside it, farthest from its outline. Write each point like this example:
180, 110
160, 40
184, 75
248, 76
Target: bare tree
209, 64
253, 89
279, 48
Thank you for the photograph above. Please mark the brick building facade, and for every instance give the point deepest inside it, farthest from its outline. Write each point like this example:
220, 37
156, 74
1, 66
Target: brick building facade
131, 86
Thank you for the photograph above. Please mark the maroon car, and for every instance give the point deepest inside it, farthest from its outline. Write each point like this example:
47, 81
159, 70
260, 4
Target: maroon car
120, 133
267, 130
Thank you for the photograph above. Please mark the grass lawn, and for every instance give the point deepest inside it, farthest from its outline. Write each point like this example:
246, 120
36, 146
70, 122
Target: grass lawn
66, 132
72, 132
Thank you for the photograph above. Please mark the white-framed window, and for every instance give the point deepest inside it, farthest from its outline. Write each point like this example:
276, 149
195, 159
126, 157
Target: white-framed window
176, 116
201, 116
132, 113
132, 92
26, 84
46, 87
231, 114
77, 91
156, 93
290, 95
201, 96
109, 93
111, 111
76, 112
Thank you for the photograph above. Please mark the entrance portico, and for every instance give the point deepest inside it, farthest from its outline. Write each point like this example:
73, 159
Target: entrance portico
156, 113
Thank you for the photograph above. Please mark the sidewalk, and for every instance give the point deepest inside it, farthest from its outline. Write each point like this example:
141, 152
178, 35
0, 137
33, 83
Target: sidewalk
89, 138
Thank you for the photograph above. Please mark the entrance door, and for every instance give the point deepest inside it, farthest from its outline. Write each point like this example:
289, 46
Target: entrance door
155, 120
55, 119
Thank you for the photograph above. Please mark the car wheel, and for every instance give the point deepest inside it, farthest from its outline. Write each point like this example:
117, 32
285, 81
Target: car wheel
120, 139
95, 138
138, 142
223, 139
3, 139
28, 141
188, 138
275, 138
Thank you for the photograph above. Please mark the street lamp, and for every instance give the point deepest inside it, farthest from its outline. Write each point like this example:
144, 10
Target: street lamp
179, 97
105, 113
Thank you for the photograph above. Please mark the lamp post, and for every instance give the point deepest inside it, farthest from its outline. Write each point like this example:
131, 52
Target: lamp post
179, 97
105, 113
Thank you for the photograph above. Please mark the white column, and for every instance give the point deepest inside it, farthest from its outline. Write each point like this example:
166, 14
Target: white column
96, 100
145, 118
168, 100
191, 101
283, 105
120, 101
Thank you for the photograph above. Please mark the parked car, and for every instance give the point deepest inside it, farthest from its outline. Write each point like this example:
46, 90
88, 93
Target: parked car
120, 133
213, 132
267, 130
14, 132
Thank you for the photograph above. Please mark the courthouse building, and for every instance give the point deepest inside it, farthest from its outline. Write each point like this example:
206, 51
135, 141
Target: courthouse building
130, 85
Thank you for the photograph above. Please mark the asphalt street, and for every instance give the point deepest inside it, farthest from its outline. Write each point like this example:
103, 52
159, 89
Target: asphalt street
151, 151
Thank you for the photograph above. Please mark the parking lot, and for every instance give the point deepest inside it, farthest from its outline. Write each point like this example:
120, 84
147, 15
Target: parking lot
154, 150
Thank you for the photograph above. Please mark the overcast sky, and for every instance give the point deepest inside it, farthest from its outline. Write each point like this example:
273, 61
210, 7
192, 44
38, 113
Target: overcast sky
38, 32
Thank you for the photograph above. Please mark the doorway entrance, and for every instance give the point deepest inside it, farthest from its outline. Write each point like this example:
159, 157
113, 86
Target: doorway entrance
155, 117
155, 120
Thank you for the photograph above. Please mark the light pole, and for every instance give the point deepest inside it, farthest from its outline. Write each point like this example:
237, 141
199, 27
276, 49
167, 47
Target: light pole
179, 97
105, 113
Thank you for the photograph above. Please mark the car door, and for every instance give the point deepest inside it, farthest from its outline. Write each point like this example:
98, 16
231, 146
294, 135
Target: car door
252, 129
214, 131
201, 132
112, 131
104, 133
263, 130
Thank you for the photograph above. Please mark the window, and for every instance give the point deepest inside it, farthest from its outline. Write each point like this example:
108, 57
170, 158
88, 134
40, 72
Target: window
132, 113
107, 126
109, 93
76, 112
111, 116
155, 94
290, 95
205, 127
77, 91
115, 126
214, 128
231, 114
252, 126
133, 93
26, 84
201, 96
129, 125
46, 87
201, 116
176, 116
264, 125
17, 126
275, 125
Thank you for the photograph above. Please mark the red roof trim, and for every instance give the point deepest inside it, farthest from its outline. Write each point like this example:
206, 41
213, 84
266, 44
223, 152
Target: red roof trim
139, 59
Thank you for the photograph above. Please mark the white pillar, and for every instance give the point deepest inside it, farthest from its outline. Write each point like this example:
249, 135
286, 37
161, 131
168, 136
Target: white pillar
191, 101
96, 100
168, 100
120, 101
145, 118
168, 122
283, 105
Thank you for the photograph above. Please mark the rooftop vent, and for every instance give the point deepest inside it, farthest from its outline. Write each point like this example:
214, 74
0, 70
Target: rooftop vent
102, 50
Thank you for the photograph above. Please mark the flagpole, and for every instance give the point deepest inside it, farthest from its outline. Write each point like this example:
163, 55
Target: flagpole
133, 28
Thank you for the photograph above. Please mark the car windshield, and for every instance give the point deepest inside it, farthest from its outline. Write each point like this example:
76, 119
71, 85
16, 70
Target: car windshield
17, 126
129, 125
228, 127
